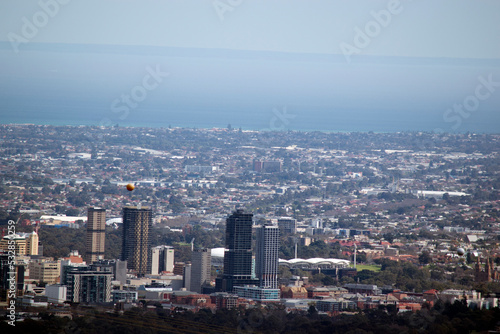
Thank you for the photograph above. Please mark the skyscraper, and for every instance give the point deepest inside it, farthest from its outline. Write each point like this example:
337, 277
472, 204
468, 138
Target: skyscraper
137, 222
32, 246
200, 269
267, 256
162, 259
96, 234
238, 253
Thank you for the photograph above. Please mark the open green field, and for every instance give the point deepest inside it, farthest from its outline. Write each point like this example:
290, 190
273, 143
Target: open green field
372, 267
183, 243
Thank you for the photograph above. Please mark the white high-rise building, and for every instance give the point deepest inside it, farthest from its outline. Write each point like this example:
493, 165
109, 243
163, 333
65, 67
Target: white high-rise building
267, 256
162, 259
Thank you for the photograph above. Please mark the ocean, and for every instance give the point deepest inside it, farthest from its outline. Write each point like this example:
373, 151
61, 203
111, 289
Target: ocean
204, 88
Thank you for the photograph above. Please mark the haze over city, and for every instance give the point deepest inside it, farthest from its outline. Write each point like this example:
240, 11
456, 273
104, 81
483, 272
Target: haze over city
334, 65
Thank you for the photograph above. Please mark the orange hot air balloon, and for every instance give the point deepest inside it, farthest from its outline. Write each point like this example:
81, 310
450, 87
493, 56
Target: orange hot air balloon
130, 187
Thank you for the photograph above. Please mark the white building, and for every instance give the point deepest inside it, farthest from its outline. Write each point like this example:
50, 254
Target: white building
162, 259
267, 256
56, 293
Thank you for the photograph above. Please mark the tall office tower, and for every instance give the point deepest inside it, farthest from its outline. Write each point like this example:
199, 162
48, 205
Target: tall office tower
200, 269
238, 253
32, 246
137, 221
287, 225
162, 259
267, 256
96, 234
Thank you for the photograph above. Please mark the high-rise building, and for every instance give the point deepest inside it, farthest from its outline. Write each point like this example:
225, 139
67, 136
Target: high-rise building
200, 269
117, 267
186, 276
162, 259
267, 256
88, 286
238, 253
32, 246
137, 221
287, 225
96, 234
25, 243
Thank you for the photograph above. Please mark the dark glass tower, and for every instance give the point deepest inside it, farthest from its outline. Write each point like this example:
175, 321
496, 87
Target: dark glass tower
137, 222
238, 254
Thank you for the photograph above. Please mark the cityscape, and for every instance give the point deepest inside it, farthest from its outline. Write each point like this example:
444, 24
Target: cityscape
185, 227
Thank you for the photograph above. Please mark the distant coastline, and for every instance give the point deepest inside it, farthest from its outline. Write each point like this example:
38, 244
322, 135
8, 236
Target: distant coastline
71, 84
243, 128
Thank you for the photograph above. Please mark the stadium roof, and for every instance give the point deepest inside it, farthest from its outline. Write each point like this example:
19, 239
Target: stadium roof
217, 252
317, 261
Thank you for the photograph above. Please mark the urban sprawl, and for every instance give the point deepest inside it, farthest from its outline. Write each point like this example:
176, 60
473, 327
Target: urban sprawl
220, 219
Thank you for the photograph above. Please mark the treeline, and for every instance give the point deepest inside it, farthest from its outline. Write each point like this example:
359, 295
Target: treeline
58, 242
316, 249
443, 318
410, 277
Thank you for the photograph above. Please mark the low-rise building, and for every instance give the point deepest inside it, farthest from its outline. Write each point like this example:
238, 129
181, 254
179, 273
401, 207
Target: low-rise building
44, 270
56, 293
257, 293
294, 292
124, 296
367, 289
318, 292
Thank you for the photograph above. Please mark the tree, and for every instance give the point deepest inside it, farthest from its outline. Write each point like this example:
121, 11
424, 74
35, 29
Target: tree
328, 280
425, 257
176, 204
72, 212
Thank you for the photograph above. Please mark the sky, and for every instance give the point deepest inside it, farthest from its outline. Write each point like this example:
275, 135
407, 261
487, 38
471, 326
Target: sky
333, 65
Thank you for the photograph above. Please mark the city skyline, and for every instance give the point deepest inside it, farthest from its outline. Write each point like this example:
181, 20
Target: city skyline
418, 212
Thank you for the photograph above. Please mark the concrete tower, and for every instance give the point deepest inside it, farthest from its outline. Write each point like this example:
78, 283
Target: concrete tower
137, 223
96, 235
267, 256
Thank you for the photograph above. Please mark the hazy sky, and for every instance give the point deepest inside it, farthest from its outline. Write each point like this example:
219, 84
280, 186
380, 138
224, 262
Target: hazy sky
342, 64
432, 28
